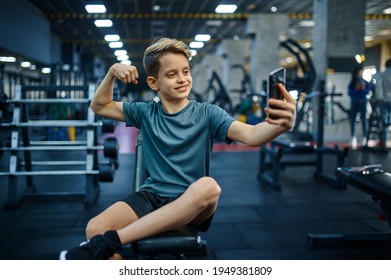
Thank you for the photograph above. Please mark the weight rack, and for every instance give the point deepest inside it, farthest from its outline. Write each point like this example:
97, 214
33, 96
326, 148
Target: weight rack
94, 171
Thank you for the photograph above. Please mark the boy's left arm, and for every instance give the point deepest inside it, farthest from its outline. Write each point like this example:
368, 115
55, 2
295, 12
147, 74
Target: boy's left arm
283, 113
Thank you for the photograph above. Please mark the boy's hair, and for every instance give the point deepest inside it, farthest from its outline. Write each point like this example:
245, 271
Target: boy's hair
159, 48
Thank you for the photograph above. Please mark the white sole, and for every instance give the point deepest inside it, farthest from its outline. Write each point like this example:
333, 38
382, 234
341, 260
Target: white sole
63, 255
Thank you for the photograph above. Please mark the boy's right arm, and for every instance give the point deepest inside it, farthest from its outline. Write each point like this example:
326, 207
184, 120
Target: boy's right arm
103, 103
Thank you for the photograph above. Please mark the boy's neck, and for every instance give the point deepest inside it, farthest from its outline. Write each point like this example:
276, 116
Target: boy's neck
174, 107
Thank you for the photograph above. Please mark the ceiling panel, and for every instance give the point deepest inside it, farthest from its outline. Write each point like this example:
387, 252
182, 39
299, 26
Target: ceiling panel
139, 21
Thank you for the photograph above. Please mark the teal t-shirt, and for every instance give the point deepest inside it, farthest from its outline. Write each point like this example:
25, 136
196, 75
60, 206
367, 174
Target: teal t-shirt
177, 147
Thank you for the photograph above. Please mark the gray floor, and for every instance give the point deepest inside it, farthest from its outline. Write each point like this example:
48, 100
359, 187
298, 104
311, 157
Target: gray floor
252, 221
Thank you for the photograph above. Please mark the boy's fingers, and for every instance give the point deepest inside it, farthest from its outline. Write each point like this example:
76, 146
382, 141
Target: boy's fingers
285, 93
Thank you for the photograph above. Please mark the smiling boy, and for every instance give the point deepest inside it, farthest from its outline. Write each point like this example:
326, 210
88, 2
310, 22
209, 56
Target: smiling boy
178, 136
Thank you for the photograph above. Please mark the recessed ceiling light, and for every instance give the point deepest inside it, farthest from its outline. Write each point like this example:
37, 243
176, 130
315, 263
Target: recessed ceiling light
120, 52
25, 64
213, 23
126, 62
103, 23
387, 11
307, 23
122, 57
196, 45
95, 9
226, 9
116, 45
112, 37
202, 37
46, 70
7, 59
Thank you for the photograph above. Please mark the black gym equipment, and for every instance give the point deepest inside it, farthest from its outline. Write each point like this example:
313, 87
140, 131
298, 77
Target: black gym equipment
306, 82
303, 84
250, 109
271, 156
21, 146
176, 243
375, 127
215, 93
374, 181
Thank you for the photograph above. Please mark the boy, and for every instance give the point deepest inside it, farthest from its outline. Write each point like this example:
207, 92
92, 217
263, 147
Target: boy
177, 142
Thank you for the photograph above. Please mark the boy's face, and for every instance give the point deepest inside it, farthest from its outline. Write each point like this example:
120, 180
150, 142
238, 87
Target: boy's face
174, 80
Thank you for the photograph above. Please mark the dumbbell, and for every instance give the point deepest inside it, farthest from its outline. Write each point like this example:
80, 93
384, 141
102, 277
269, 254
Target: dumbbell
108, 126
110, 150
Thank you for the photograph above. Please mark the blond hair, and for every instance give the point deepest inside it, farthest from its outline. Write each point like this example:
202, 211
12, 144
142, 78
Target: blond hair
159, 48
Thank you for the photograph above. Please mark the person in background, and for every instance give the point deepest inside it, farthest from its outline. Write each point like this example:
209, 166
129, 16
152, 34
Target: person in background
383, 94
358, 89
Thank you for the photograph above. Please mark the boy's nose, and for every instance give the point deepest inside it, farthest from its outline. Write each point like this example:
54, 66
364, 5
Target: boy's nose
181, 78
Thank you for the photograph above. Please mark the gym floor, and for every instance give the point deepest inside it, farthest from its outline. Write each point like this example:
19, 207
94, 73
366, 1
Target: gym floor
252, 221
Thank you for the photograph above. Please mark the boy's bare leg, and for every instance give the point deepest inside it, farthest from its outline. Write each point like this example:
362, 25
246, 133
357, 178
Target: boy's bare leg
117, 216
119, 224
196, 205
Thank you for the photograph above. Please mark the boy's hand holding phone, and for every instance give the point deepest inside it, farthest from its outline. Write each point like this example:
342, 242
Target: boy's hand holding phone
281, 108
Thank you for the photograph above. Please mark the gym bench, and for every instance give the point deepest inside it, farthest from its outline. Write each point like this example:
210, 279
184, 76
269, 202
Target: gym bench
269, 169
176, 243
375, 182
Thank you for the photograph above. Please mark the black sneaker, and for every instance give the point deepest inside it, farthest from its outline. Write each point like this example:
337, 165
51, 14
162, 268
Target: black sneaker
98, 248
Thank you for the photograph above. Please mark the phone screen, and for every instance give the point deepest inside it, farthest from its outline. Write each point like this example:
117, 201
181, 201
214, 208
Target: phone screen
276, 76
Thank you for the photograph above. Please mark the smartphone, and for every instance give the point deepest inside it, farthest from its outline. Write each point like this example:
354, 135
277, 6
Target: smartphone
275, 77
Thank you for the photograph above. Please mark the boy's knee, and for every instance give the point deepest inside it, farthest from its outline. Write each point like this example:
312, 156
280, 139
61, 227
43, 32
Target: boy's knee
208, 189
94, 228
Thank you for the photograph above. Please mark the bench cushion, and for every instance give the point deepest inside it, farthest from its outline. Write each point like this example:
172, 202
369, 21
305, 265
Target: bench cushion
183, 240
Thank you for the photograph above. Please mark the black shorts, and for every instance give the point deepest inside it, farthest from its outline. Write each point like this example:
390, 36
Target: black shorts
144, 202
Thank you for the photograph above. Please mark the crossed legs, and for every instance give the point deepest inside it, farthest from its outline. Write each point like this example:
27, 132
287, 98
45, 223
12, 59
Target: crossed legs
194, 206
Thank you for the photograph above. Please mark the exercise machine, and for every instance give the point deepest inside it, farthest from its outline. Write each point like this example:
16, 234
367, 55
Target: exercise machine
215, 93
271, 156
374, 181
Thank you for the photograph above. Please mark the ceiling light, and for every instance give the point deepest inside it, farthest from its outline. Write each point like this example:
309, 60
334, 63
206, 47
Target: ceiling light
226, 9
122, 57
126, 62
103, 23
215, 23
112, 38
360, 58
46, 70
95, 9
25, 64
273, 9
202, 37
368, 38
387, 11
116, 45
193, 52
307, 23
120, 52
196, 45
7, 59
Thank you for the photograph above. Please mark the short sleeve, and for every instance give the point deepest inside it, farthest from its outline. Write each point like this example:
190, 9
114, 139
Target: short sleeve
133, 112
219, 122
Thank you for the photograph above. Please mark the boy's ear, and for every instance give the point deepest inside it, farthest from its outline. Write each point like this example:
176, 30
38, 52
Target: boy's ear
152, 83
